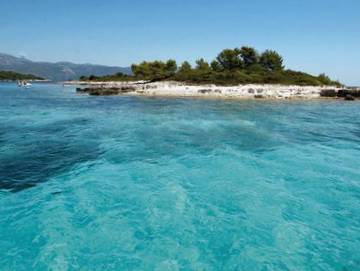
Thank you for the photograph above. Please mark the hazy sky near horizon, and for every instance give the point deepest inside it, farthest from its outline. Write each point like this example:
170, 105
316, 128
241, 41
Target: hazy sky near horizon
312, 35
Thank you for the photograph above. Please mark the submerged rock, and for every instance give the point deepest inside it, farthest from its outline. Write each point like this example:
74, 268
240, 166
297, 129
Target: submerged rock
355, 93
259, 96
81, 90
348, 93
349, 97
104, 91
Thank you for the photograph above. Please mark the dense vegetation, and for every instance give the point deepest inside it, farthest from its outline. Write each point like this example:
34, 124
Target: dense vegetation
8, 75
113, 77
232, 66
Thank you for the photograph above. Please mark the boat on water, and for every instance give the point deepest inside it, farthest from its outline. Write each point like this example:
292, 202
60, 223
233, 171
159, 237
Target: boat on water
24, 84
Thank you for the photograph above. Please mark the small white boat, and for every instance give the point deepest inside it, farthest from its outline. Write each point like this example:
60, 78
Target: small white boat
23, 84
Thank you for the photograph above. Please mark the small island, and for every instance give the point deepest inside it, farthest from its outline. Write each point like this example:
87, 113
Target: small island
14, 76
236, 73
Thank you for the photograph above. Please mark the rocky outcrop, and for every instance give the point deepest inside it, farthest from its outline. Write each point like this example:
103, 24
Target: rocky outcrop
105, 91
348, 94
349, 97
328, 93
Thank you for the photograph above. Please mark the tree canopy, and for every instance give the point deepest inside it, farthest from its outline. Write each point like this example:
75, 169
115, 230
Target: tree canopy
202, 65
271, 61
242, 65
249, 56
185, 67
230, 59
155, 70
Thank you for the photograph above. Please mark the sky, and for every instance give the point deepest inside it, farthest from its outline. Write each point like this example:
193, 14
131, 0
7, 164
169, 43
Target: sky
314, 36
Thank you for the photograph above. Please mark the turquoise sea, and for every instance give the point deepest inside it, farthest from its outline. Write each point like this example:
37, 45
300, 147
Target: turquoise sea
136, 183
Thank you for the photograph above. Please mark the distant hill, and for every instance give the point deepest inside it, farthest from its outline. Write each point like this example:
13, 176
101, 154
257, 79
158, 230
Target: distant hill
9, 75
58, 71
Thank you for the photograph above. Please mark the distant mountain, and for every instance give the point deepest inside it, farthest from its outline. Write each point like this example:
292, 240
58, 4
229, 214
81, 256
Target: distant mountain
58, 71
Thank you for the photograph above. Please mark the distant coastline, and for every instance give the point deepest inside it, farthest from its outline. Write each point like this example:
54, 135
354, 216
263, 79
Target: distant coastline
14, 76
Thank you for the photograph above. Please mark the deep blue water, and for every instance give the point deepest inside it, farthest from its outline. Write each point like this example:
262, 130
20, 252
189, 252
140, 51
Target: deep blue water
131, 183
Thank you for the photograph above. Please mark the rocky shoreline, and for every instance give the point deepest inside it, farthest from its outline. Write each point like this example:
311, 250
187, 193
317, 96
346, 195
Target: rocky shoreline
176, 89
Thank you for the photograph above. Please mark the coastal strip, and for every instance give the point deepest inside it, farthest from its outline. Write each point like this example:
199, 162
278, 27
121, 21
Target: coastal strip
177, 89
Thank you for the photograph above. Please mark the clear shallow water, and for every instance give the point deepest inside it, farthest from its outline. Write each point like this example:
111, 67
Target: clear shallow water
127, 183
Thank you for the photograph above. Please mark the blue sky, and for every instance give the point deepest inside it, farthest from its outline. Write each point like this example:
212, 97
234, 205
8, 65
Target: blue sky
312, 35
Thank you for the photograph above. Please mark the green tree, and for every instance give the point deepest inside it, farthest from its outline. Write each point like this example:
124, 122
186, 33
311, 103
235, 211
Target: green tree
249, 56
324, 79
230, 59
155, 70
271, 61
170, 67
119, 74
139, 70
185, 67
202, 65
215, 66
185, 72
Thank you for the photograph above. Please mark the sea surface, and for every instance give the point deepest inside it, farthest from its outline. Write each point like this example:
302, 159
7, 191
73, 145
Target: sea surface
140, 183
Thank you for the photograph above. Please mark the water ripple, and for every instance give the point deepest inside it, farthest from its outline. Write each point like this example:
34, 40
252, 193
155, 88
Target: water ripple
127, 183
